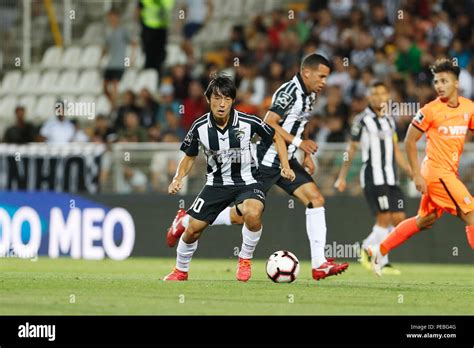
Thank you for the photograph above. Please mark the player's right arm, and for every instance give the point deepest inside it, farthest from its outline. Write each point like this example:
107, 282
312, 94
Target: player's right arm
352, 147
184, 168
420, 124
190, 147
413, 135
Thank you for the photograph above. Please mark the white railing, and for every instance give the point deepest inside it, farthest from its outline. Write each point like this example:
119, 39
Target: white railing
150, 167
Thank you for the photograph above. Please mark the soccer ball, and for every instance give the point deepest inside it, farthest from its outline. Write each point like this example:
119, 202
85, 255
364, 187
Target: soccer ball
282, 267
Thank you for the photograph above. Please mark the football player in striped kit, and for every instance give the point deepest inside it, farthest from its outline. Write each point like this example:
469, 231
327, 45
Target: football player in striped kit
374, 131
289, 113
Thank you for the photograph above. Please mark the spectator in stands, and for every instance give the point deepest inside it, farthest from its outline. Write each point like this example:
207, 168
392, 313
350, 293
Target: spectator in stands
409, 56
173, 125
181, 80
163, 166
58, 130
79, 135
155, 19
21, 132
252, 88
194, 106
116, 47
132, 132
102, 132
197, 13
362, 56
167, 101
148, 108
335, 104
134, 180
129, 105
380, 28
238, 45
154, 133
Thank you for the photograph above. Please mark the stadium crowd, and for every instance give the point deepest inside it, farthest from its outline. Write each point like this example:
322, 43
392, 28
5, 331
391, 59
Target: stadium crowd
391, 41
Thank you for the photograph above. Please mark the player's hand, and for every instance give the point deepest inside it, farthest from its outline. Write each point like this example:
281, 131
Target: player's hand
340, 184
308, 165
175, 186
420, 184
288, 173
309, 147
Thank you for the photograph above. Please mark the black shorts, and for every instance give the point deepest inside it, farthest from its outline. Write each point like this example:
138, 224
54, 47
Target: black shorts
212, 200
113, 74
271, 176
384, 198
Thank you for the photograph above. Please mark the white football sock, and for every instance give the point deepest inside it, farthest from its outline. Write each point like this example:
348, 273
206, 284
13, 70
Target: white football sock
184, 254
373, 237
223, 218
249, 242
185, 221
380, 234
316, 230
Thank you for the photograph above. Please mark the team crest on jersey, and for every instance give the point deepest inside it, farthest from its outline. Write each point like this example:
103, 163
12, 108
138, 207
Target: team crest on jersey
188, 139
283, 100
419, 117
239, 134
466, 117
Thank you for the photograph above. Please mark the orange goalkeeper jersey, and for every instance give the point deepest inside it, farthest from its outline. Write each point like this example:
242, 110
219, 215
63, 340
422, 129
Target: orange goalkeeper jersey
446, 128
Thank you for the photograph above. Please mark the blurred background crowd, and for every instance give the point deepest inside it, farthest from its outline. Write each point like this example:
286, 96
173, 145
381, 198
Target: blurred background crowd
260, 44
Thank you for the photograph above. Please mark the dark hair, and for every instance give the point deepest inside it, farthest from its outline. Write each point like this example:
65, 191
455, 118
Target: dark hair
445, 65
378, 84
313, 60
221, 84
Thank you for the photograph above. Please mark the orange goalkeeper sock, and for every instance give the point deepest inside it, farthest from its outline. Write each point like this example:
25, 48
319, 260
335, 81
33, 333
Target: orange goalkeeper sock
401, 233
470, 235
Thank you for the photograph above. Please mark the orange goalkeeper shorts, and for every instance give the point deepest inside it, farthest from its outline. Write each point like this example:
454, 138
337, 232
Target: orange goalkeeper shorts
447, 194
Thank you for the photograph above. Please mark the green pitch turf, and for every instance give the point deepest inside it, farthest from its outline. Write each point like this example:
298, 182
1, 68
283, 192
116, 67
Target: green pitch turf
72, 287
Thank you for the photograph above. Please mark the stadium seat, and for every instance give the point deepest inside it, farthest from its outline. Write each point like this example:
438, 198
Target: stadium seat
174, 55
10, 82
89, 81
146, 79
29, 82
67, 82
128, 80
47, 82
45, 107
103, 105
94, 34
7, 109
71, 57
91, 56
52, 57
29, 103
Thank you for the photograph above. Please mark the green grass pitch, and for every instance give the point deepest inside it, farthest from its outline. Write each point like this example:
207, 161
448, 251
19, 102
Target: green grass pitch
133, 287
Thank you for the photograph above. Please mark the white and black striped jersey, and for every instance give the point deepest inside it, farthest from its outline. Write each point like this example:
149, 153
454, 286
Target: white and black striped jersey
228, 151
293, 103
376, 136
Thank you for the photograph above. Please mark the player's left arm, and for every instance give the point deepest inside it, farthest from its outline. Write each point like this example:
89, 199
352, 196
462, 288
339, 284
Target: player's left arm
399, 158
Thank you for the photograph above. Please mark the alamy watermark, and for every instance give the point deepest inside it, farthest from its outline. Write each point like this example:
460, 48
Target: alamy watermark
397, 109
75, 109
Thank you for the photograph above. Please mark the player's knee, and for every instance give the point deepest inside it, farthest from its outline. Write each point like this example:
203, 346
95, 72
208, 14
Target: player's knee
383, 219
427, 222
253, 220
317, 200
